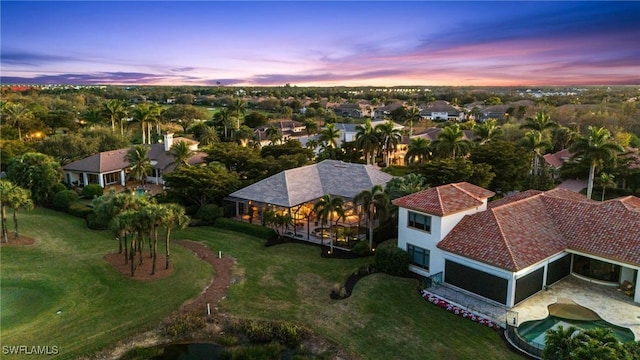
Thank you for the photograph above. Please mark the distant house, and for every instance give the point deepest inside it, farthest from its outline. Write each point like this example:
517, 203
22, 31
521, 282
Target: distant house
290, 130
508, 250
353, 110
111, 168
430, 134
441, 110
348, 132
384, 111
556, 160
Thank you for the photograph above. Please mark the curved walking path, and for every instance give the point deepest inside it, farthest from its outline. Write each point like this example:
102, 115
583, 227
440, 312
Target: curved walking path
214, 292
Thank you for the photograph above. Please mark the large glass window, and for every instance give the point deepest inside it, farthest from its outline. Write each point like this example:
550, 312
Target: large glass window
596, 269
419, 221
112, 178
418, 256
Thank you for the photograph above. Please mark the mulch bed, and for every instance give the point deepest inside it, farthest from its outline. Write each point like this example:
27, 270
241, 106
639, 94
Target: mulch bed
212, 294
20, 241
143, 272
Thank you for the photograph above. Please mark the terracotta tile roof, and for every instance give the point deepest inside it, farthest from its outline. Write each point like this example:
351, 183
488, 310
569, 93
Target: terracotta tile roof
521, 231
558, 159
512, 198
446, 199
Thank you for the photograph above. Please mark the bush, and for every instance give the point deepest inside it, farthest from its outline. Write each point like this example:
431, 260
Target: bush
57, 187
208, 214
258, 331
184, 324
92, 191
261, 232
63, 199
392, 260
361, 248
94, 222
79, 210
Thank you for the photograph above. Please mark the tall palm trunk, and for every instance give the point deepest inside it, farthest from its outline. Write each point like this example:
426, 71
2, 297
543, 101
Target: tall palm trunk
592, 172
126, 249
144, 132
155, 251
15, 224
132, 254
5, 236
121, 127
166, 246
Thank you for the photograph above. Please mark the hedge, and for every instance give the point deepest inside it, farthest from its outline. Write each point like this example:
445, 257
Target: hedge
92, 191
245, 228
209, 213
63, 199
392, 260
79, 210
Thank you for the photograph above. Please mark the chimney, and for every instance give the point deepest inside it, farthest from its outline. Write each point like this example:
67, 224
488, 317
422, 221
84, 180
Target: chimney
168, 141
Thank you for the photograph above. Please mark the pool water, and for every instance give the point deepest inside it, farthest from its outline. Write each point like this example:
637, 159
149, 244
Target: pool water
534, 331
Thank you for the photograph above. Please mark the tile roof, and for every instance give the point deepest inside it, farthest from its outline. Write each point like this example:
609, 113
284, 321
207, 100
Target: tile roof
521, 231
104, 162
446, 199
297, 186
558, 158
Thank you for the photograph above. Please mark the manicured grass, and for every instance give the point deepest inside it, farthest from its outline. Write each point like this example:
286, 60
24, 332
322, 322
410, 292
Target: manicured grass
385, 318
65, 271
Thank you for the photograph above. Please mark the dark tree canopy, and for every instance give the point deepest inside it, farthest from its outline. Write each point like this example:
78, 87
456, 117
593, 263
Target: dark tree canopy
35, 172
509, 163
201, 185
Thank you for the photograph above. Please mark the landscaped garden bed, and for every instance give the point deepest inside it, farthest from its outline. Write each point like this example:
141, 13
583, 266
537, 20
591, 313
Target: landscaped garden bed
444, 304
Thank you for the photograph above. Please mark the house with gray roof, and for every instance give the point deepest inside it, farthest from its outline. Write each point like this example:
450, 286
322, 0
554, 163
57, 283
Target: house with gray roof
296, 190
111, 168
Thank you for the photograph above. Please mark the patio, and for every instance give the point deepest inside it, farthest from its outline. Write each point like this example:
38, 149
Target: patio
608, 302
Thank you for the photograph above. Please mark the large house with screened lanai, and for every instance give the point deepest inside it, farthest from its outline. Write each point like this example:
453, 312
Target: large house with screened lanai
508, 250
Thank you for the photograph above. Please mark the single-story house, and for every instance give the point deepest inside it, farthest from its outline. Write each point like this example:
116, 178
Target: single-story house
508, 250
296, 190
111, 168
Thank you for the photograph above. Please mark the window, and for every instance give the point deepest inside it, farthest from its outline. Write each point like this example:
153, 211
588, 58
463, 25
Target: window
419, 221
418, 256
112, 178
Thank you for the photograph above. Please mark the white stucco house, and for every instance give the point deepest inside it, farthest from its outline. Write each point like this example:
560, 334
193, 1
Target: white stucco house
508, 250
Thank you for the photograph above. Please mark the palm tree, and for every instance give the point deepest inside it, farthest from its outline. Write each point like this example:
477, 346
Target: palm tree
562, 138
92, 117
310, 126
18, 116
534, 142
596, 148
541, 122
181, 153
559, 343
143, 114
224, 118
238, 106
155, 215
139, 162
406, 185
375, 203
114, 109
598, 344
451, 142
368, 141
274, 135
413, 114
244, 135
390, 137
174, 218
16, 198
487, 131
419, 150
329, 137
208, 136
326, 207
606, 180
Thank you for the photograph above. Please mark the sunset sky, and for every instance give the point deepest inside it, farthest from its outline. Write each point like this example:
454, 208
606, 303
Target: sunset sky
326, 43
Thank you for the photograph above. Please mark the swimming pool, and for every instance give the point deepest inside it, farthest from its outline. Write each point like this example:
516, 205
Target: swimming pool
534, 331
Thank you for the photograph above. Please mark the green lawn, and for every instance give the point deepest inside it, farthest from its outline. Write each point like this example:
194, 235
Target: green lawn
65, 271
384, 318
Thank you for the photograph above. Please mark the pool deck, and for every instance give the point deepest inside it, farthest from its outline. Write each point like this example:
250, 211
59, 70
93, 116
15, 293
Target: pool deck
609, 303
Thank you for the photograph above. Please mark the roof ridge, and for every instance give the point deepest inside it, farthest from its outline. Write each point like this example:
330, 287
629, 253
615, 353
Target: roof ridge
517, 201
504, 239
440, 202
465, 191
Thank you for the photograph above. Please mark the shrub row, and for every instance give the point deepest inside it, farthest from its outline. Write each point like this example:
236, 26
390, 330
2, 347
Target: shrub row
208, 214
245, 228
392, 260
184, 324
259, 331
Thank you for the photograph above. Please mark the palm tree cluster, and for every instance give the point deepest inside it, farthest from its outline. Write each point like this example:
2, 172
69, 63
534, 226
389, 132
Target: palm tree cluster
12, 197
598, 343
381, 138
136, 220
